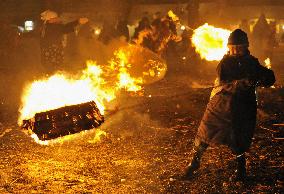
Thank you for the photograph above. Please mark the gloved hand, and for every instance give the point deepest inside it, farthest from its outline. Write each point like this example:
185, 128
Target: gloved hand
244, 84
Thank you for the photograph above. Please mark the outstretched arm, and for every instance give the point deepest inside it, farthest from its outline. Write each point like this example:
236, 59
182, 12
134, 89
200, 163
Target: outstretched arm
69, 27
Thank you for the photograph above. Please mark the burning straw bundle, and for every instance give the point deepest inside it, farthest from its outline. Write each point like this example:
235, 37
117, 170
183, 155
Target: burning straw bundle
64, 121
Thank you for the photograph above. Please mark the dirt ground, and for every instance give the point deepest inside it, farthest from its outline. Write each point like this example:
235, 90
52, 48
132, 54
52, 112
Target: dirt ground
148, 141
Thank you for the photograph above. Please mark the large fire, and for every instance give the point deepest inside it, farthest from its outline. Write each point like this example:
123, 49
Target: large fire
62, 90
210, 42
98, 83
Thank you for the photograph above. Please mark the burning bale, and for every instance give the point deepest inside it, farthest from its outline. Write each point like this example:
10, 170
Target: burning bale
42, 100
64, 121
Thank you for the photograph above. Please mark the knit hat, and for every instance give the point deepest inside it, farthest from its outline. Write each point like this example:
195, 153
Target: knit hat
238, 37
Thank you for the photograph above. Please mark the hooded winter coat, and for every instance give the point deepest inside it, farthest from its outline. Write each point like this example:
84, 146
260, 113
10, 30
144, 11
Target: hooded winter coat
230, 115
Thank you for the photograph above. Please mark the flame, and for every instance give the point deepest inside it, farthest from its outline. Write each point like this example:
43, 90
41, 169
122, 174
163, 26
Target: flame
60, 90
267, 63
97, 138
94, 83
37, 140
137, 66
98, 135
172, 15
142, 34
210, 42
125, 80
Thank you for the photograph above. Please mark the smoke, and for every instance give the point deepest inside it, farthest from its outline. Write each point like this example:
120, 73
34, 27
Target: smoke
22, 65
124, 119
90, 48
130, 119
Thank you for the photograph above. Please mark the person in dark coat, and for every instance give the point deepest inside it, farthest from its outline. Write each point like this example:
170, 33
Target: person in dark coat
107, 33
122, 30
230, 116
144, 24
260, 38
52, 32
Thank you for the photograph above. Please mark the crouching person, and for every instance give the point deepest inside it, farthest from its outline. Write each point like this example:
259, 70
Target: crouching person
230, 115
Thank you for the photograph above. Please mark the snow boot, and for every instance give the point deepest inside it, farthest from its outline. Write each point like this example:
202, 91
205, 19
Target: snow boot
241, 168
195, 163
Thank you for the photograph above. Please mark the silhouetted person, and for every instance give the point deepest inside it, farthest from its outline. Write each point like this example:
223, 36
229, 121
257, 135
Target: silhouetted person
85, 39
157, 15
260, 37
164, 35
122, 30
107, 33
144, 24
271, 42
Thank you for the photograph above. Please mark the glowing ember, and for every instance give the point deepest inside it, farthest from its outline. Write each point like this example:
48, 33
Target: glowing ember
125, 80
267, 63
210, 42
